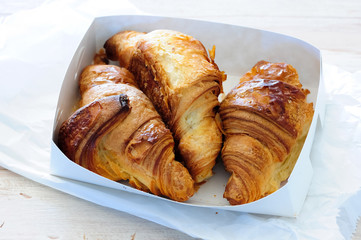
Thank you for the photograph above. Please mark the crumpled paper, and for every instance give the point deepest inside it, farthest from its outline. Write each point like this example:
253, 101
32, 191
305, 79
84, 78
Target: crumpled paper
36, 47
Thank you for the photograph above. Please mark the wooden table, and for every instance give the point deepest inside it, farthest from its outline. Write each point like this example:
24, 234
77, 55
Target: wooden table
33, 211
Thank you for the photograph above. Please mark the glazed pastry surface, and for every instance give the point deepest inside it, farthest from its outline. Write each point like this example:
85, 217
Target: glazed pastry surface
174, 71
117, 133
265, 119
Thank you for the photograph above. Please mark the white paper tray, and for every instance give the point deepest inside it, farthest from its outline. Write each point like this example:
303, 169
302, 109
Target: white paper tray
237, 50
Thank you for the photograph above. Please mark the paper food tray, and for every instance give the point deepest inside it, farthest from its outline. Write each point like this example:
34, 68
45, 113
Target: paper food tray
237, 50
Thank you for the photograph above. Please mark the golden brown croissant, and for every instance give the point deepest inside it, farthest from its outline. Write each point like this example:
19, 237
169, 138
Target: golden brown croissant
175, 72
265, 118
118, 134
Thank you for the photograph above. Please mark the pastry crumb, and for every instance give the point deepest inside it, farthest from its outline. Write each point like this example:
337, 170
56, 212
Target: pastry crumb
133, 236
24, 195
53, 237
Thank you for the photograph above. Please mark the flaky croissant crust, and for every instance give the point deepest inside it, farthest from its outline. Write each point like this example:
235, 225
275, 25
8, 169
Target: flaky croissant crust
98, 81
278, 101
119, 135
265, 122
174, 71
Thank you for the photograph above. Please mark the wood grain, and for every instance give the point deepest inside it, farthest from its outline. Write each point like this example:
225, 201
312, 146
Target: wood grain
32, 211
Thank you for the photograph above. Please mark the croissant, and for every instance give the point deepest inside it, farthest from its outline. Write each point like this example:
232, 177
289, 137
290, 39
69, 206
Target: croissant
118, 134
175, 72
265, 120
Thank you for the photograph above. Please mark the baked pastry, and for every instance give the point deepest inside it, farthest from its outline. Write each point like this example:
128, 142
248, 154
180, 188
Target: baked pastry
273, 71
265, 120
99, 81
118, 134
175, 72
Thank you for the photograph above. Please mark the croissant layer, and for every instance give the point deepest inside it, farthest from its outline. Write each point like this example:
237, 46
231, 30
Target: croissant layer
174, 71
118, 134
265, 122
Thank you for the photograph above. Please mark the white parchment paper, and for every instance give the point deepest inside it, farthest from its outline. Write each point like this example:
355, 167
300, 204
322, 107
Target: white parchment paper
35, 49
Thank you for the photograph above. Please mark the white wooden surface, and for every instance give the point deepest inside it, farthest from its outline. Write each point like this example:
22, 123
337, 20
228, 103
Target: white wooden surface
29, 210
